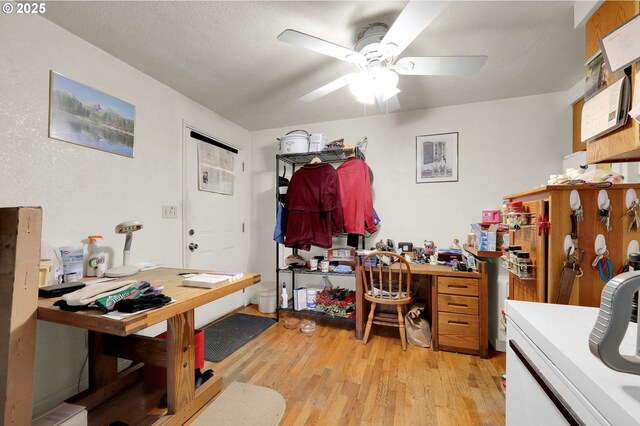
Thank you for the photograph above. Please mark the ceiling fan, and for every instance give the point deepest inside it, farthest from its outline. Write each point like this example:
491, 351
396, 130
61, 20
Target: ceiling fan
376, 52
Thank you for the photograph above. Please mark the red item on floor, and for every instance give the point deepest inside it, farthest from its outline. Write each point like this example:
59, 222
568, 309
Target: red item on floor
157, 376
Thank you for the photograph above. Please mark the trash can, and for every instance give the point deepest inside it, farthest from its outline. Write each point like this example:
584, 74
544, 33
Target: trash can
157, 376
267, 299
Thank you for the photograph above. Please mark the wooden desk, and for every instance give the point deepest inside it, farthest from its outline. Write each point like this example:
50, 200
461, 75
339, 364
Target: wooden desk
459, 307
110, 339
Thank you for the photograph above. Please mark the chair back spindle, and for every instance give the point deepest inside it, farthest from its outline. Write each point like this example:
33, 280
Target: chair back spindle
392, 285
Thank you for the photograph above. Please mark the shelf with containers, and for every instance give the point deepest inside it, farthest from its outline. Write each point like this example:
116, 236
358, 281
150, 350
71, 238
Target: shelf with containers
545, 242
330, 156
523, 270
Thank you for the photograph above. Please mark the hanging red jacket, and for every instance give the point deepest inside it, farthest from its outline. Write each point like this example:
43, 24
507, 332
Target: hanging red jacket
312, 211
355, 196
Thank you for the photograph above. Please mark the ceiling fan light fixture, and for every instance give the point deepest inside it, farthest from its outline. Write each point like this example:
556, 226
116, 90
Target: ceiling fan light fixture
389, 93
366, 99
362, 88
376, 82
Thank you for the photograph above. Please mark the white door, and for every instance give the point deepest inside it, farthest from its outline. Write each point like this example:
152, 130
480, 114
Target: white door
214, 236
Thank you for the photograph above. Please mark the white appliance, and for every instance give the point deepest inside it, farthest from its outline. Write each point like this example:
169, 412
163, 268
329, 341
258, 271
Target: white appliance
294, 142
552, 377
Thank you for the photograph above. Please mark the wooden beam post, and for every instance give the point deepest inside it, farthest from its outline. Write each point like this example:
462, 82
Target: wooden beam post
20, 235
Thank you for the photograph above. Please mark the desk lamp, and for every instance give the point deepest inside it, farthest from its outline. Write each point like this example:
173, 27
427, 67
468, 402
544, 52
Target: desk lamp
128, 228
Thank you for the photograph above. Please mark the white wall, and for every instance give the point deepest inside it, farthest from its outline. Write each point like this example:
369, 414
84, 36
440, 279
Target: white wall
505, 146
85, 191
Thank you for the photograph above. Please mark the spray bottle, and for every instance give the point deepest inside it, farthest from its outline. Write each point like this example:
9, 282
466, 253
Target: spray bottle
285, 297
97, 262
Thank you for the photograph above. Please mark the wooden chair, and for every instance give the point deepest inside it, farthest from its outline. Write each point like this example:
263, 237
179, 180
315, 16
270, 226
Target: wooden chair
386, 286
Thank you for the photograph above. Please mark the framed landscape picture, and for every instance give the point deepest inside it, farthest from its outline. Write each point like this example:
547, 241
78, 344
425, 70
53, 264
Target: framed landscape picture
85, 116
437, 158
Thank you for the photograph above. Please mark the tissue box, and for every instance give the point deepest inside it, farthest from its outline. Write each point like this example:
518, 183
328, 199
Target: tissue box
489, 239
491, 216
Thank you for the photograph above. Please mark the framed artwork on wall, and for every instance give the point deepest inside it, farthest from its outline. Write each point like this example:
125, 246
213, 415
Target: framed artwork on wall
437, 158
85, 116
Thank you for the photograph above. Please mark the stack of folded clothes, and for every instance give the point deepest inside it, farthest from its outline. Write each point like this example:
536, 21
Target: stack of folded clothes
124, 296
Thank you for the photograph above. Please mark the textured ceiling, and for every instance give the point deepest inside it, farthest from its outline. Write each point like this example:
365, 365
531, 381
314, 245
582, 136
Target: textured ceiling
225, 55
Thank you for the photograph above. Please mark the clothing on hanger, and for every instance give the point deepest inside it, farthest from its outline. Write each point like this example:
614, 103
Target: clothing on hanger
313, 210
355, 196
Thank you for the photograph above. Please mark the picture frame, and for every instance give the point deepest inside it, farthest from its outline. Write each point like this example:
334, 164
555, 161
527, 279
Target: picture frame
85, 116
437, 158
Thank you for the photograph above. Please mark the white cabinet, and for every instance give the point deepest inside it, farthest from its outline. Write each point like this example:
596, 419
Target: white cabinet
552, 377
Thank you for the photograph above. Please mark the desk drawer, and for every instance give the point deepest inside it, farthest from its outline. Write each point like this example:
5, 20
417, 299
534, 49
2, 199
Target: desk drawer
455, 285
458, 304
458, 331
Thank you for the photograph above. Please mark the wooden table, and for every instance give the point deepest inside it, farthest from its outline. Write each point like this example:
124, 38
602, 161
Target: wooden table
110, 339
458, 308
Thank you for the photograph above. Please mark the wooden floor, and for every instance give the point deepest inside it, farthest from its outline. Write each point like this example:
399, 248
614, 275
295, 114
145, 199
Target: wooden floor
329, 378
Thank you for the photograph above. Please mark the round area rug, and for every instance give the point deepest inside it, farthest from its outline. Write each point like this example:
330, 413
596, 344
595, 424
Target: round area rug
243, 404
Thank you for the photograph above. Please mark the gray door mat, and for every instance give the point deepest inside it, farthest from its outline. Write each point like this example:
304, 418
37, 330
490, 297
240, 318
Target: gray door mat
223, 338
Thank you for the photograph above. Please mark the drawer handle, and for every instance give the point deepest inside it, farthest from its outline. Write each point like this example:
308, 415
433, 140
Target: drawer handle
463, 305
458, 286
458, 322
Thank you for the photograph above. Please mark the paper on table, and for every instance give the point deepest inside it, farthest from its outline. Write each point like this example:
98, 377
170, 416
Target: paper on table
147, 266
621, 47
89, 281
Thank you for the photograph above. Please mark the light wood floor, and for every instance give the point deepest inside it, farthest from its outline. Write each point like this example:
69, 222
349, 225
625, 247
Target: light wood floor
329, 378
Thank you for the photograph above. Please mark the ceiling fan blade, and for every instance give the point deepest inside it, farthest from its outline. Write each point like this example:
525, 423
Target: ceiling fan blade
415, 17
328, 88
321, 46
390, 105
440, 65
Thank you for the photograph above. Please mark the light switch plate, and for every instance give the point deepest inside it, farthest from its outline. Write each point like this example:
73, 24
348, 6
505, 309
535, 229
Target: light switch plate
169, 212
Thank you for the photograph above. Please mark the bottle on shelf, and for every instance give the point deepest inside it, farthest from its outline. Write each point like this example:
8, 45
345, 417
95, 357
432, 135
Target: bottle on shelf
325, 283
285, 297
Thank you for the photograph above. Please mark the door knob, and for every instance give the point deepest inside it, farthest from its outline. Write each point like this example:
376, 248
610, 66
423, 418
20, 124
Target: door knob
193, 246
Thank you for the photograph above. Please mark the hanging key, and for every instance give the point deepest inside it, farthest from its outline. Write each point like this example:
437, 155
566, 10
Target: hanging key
579, 213
577, 216
605, 218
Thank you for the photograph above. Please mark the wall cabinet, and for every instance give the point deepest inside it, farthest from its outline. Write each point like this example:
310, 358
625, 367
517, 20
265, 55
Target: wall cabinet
548, 251
622, 144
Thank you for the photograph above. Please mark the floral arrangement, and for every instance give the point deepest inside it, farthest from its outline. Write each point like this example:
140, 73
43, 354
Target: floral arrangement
337, 302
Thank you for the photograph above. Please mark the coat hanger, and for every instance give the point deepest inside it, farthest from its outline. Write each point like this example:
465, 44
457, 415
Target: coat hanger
315, 160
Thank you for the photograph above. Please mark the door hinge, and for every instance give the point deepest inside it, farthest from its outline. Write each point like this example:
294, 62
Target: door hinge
243, 227
243, 166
